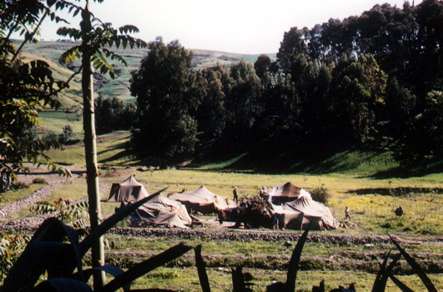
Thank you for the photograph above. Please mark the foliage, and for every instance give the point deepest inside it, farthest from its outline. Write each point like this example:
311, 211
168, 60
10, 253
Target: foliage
25, 86
113, 114
11, 246
67, 134
167, 94
424, 136
73, 213
358, 90
262, 65
342, 84
320, 194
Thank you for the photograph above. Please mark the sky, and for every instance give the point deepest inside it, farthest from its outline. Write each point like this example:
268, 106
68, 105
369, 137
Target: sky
240, 26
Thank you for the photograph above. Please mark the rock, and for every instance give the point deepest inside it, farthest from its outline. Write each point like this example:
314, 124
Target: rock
399, 211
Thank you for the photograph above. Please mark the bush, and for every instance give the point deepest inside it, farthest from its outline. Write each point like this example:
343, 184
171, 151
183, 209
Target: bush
321, 194
20, 185
66, 135
39, 181
51, 140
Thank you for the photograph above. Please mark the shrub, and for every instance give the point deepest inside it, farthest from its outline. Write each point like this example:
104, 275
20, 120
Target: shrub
321, 194
66, 135
20, 185
39, 181
51, 140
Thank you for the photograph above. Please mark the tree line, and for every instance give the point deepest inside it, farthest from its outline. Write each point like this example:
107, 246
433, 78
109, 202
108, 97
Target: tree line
373, 81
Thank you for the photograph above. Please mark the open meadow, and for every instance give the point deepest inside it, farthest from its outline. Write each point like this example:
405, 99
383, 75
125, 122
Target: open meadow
346, 255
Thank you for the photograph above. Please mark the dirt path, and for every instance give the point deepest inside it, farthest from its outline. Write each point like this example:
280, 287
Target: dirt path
53, 180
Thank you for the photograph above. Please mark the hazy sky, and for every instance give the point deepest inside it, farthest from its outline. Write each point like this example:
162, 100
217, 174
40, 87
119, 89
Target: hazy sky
243, 26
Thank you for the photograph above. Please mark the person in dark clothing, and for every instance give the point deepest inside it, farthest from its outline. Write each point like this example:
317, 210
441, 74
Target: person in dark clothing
235, 195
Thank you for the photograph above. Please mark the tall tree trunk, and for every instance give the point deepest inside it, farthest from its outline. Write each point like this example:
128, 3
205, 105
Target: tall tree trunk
98, 256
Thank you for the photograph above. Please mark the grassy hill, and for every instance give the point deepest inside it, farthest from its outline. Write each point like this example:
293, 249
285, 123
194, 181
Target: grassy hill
107, 87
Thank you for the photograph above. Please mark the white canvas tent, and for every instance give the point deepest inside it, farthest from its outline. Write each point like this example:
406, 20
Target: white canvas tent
305, 213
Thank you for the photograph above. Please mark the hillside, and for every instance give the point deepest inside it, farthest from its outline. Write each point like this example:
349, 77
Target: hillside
106, 87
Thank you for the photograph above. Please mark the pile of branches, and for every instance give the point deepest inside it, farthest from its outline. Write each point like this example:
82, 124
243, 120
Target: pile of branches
256, 212
253, 212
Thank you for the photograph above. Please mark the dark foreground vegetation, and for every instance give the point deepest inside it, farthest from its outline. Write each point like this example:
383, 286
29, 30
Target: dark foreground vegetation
371, 82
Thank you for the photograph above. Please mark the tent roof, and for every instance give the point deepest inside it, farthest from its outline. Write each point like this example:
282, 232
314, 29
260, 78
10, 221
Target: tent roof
286, 190
160, 210
202, 197
310, 208
129, 190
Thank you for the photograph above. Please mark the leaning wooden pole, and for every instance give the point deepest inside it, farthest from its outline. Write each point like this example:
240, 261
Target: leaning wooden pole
98, 256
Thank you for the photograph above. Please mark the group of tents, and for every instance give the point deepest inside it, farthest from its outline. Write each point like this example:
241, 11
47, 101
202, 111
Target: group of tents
291, 206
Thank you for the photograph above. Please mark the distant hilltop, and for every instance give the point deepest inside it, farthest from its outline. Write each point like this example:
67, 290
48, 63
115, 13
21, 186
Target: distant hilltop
202, 58
50, 51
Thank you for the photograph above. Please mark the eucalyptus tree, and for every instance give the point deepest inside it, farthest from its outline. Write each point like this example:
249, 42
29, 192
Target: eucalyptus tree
95, 40
168, 94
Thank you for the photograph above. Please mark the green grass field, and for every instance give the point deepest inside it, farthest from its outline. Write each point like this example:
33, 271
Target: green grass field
54, 121
17, 194
372, 202
220, 280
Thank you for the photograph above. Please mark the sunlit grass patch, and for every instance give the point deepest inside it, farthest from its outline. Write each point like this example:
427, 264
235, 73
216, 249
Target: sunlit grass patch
17, 194
111, 149
186, 279
54, 121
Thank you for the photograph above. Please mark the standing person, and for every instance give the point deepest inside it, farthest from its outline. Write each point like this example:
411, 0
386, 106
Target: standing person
347, 214
235, 194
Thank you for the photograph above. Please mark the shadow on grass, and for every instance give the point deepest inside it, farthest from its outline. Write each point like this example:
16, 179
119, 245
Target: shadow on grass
398, 191
121, 155
122, 145
407, 172
314, 162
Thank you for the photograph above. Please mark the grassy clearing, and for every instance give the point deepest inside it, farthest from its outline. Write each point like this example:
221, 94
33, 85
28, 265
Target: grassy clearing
15, 195
111, 149
52, 121
354, 162
372, 212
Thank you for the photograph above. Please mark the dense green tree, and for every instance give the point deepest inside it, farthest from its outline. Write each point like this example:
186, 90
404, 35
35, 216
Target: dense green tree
167, 95
294, 43
424, 136
357, 82
113, 114
25, 87
400, 107
358, 90
211, 115
242, 103
262, 65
